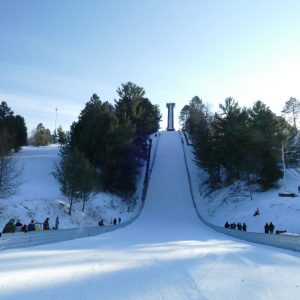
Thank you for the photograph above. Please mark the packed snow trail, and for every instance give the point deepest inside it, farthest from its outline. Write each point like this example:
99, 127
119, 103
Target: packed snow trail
166, 254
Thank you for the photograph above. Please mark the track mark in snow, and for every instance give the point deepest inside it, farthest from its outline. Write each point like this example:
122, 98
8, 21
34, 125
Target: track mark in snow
187, 288
259, 274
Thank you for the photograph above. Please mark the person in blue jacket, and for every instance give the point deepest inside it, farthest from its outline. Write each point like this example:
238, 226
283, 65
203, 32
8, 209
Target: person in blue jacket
31, 226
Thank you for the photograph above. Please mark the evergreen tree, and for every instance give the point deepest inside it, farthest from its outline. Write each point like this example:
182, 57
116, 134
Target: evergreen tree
61, 136
77, 177
20, 132
142, 118
114, 139
100, 137
245, 143
268, 133
229, 127
13, 126
183, 117
136, 111
291, 110
5, 111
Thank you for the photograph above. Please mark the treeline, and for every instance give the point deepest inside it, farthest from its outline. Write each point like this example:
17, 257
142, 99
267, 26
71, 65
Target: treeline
106, 146
13, 135
13, 131
237, 142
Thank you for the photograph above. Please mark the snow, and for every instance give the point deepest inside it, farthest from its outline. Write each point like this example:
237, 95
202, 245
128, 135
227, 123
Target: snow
39, 196
234, 204
168, 253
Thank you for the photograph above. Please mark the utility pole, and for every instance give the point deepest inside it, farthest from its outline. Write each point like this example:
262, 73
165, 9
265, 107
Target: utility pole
55, 120
55, 133
284, 167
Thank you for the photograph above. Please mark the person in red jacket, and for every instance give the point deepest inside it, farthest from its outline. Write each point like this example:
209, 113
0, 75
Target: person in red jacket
46, 224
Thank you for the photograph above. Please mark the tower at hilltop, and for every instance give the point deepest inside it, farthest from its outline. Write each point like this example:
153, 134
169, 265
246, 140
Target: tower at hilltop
170, 107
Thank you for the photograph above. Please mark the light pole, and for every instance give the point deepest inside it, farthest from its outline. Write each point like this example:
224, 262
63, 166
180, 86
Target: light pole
55, 134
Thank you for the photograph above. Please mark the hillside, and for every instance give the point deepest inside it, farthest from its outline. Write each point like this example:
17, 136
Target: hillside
233, 203
167, 253
39, 196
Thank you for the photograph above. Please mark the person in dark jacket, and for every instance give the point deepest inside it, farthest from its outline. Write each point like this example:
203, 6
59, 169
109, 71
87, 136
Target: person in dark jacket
115, 221
56, 223
244, 227
46, 224
267, 228
239, 226
227, 225
25, 228
19, 224
9, 226
256, 213
271, 227
31, 226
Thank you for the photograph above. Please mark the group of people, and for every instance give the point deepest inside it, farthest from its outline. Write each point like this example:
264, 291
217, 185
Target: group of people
113, 221
238, 226
11, 226
269, 228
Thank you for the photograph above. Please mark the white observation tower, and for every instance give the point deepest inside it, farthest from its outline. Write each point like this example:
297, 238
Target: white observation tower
170, 107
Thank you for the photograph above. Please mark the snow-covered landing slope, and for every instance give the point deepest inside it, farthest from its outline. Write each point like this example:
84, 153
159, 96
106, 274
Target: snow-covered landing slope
166, 254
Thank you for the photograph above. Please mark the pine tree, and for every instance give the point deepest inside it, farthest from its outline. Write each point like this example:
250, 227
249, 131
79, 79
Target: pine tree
77, 177
61, 136
14, 127
229, 126
291, 110
245, 143
142, 118
5, 111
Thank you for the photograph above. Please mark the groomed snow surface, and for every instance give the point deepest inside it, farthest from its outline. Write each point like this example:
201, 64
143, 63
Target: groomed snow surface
39, 196
166, 254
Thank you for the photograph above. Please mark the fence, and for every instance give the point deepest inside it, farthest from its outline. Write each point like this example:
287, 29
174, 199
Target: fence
290, 242
35, 238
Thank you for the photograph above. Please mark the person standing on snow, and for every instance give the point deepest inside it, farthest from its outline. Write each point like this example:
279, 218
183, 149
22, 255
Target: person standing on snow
56, 223
244, 227
31, 226
271, 227
46, 224
9, 227
267, 228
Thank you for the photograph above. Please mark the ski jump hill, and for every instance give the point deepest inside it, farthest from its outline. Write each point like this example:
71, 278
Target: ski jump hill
167, 253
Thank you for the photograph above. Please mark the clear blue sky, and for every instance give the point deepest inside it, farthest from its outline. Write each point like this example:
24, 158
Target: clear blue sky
56, 54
